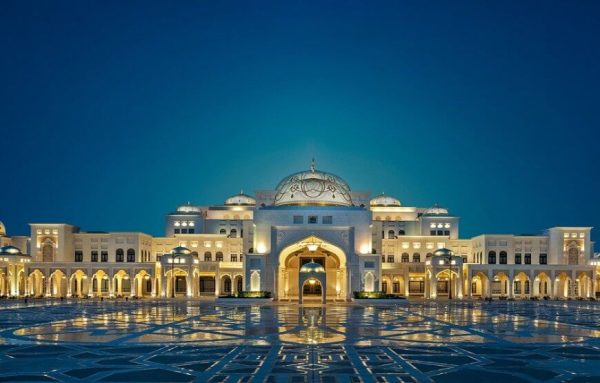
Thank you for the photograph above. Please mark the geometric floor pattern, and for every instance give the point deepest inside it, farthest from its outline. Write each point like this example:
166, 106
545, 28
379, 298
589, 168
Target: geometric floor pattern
186, 341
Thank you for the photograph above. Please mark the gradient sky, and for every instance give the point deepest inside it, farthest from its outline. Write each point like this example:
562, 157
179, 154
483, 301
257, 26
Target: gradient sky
112, 113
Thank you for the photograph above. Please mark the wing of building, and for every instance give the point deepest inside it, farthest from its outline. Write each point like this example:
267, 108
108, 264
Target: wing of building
312, 237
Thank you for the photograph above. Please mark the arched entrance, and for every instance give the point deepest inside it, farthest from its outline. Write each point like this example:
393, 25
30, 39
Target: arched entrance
312, 282
290, 285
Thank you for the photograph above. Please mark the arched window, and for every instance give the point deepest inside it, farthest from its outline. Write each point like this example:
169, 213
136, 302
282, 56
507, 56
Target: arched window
219, 256
130, 255
503, 258
391, 234
233, 233
120, 255
405, 258
369, 282
222, 231
492, 257
390, 259
48, 251
208, 256
255, 281
573, 255
416, 258
194, 253
401, 232
384, 287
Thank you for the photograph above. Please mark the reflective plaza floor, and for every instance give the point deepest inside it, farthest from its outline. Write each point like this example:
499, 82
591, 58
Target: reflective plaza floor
184, 341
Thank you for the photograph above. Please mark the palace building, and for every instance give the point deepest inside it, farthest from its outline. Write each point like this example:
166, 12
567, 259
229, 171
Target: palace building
310, 238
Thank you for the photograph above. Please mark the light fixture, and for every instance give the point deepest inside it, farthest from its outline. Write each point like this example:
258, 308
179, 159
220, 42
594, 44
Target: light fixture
312, 246
312, 281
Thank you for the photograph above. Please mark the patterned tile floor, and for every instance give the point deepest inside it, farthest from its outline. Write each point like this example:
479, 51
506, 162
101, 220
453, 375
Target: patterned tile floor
184, 341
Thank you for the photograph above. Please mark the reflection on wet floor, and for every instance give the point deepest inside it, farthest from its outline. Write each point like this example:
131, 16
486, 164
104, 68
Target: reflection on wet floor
435, 341
193, 322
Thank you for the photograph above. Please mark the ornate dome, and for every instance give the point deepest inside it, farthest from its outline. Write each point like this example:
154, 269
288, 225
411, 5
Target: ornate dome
435, 210
240, 199
313, 187
189, 208
312, 267
180, 250
443, 253
10, 250
384, 200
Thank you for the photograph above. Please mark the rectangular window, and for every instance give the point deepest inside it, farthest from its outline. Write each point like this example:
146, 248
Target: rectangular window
233, 257
369, 265
517, 258
432, 232
104, 256
94, 256
503, 258
312, 219
78, 256
440, 232
390, 259
447, 233
527, 258
517, 286
184, 231
543, 259
298, 219
177, 231
327, 220
191, 231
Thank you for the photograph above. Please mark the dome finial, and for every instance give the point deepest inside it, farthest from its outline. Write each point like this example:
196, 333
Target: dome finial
312, 165
241, 191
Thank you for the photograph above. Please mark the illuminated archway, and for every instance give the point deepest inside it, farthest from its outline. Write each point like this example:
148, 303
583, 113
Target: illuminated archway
312, 248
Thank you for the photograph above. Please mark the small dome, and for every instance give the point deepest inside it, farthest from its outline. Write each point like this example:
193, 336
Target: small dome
384, 200
312, 267
435, 210
313, 187
443, 253
240, 199
180, 250
2, 229
189, 208
10, 250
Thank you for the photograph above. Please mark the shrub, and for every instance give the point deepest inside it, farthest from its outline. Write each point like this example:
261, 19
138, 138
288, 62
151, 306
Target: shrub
253, 294
375, 295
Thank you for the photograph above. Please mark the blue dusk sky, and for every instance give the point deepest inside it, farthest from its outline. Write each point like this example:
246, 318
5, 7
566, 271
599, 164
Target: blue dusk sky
114, 112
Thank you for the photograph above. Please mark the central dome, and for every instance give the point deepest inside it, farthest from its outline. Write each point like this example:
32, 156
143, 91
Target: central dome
313, 187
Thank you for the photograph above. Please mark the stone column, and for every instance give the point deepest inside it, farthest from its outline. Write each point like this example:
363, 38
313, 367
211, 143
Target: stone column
163, 285
189, 285
49, 286
433, 286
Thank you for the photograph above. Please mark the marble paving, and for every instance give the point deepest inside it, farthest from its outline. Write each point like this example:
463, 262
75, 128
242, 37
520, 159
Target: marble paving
185, 341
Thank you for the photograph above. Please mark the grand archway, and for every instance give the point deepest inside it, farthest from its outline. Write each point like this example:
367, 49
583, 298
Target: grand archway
312, 249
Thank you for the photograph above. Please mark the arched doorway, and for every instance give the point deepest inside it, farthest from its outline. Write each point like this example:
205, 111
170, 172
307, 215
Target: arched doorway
238, 284
312, 248
79, 284
226, 286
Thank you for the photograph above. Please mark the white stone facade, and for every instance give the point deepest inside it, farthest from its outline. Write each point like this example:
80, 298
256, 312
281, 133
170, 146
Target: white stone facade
260, 244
